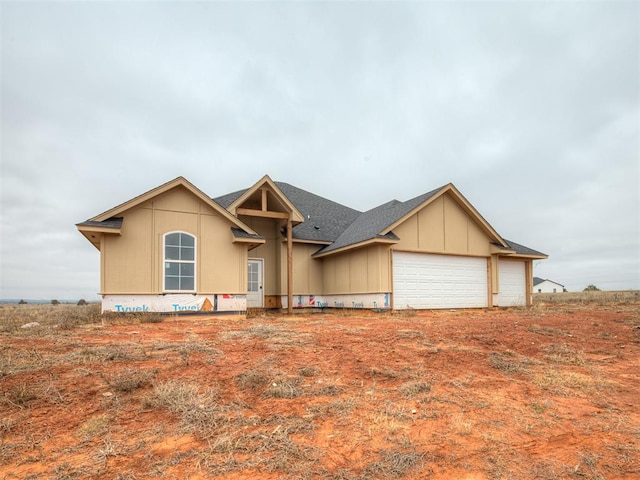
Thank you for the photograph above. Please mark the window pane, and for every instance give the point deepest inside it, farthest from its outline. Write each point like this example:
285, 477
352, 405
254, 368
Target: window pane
172, 239
186, 240
186, 283
186, 269
187, 253
172, 283
171, 268
171, 253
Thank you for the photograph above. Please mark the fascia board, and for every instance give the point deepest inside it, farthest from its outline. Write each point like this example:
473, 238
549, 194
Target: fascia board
98, 229
353, 246
522, 255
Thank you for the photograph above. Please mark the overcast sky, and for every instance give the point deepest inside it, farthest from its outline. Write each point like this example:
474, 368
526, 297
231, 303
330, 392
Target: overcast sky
530, 108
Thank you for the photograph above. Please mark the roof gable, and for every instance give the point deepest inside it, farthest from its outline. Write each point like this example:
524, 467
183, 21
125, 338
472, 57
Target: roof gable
178, 182
378, 223
265, 186
462, 202
324, 220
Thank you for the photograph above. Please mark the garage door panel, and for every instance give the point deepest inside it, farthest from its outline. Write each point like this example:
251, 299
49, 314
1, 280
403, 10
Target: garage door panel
439, 281
512, 283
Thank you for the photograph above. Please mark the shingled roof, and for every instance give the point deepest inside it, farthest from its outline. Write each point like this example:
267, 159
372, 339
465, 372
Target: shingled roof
372, 223
521, 249
326, 221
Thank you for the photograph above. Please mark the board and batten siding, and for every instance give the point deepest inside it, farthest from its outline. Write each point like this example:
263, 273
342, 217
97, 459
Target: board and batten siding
442, 227
363, 270
132, 263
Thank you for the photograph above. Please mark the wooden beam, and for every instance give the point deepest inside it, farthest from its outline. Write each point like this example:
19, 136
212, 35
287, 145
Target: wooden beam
264, 199
289, 266
259, 213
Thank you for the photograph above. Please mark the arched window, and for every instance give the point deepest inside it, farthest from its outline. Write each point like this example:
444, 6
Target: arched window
179, 262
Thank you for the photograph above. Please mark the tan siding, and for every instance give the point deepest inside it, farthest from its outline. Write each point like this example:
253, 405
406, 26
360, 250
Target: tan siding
133, 262
358, 271
128, 258
442, 227
364, 270
477, 241
177, 200
408, 233
343, 277
373, 269
307, 272
329, 275
166, 221
455, 228
431, 224
218, 258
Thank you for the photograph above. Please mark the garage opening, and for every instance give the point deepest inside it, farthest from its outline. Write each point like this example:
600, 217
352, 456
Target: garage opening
429, 281
512, 283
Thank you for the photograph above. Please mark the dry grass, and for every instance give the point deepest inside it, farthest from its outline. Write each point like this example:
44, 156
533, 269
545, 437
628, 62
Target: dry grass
563, 353
413, 389
50, 317
20, 395
393, 464
129, 379
199, 410
510, 362
597, 298
566, 382
354, 399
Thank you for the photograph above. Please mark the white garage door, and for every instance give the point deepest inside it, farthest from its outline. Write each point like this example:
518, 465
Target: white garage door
512, 280
423, 280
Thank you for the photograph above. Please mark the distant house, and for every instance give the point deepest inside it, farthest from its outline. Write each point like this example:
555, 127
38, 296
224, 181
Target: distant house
274, 245
541, 285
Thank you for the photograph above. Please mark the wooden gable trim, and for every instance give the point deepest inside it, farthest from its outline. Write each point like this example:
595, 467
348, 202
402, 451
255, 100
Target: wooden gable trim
235, 208
463, 203
176, 182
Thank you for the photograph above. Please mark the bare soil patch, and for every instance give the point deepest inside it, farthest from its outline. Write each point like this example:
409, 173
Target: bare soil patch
546, 392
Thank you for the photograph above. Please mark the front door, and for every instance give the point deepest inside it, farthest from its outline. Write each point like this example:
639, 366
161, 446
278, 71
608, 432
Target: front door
255, 292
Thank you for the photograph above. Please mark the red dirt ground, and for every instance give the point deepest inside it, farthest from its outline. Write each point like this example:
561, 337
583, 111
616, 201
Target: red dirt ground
548, 392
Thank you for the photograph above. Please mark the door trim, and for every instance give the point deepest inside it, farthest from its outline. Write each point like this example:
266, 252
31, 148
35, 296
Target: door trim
260, 262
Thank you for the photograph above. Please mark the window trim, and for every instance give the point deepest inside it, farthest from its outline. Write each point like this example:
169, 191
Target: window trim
193, 262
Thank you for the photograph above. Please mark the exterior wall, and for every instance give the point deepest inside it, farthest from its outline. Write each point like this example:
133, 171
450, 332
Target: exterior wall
132, 263
364, 270
442, 227
547, 287
307, 271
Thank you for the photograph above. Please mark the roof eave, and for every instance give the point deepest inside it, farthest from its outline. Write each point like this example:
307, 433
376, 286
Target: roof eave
310, 242
541, 256
353, 246
99, 229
